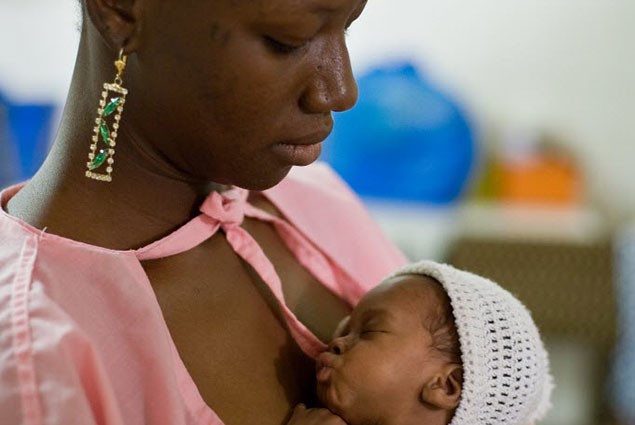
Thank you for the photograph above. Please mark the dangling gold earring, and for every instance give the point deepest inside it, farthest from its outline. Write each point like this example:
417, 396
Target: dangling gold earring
102, 148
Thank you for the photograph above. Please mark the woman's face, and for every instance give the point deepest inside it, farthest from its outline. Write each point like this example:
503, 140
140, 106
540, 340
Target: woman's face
239, 91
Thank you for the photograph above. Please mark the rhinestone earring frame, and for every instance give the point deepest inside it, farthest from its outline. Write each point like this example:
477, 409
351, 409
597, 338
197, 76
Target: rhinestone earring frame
102, 148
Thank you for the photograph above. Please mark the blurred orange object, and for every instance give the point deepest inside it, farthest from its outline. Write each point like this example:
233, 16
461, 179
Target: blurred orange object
548, 178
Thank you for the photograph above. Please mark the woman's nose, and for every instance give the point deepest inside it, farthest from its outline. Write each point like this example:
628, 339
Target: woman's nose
332, 86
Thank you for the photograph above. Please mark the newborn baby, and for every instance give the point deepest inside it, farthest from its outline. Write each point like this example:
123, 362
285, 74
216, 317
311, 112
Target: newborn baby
433, 345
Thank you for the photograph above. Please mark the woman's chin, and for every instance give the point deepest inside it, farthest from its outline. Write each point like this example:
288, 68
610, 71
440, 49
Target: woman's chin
262, 181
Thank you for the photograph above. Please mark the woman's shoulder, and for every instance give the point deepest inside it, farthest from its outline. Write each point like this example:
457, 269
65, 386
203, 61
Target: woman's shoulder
66, 311
321, 205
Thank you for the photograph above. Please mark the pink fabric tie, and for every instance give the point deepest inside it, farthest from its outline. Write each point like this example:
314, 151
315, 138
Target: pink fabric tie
227, 211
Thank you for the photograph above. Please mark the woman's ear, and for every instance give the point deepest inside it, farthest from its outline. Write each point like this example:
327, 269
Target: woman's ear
443, 389
117, 21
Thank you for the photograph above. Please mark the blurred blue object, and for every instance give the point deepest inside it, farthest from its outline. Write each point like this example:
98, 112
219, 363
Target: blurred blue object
25, 136
622, 383
8, 156
403, 140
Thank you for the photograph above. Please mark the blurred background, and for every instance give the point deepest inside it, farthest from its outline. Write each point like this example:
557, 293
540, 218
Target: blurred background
497, 136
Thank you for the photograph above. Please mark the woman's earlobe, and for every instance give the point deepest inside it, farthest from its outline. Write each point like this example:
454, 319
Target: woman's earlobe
117, 21
443, 389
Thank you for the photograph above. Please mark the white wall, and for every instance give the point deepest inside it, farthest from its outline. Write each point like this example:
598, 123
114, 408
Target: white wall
38, 42
566, 66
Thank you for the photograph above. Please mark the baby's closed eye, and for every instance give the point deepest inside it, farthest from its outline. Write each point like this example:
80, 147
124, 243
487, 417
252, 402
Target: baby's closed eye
372, 333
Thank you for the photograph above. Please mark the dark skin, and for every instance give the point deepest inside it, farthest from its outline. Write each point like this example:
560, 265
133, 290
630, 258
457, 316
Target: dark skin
218, 89
384, 365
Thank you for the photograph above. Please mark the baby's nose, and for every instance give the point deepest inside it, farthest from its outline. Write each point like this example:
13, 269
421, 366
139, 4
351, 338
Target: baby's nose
337, 346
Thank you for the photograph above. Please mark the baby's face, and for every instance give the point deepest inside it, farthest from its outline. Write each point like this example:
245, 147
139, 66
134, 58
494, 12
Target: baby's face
382, 355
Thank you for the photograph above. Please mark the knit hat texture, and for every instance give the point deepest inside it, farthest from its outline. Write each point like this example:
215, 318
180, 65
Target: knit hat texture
506, 378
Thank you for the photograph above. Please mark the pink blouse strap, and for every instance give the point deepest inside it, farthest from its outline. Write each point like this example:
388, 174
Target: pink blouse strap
226, 211
305, 251
217, 208
249, 250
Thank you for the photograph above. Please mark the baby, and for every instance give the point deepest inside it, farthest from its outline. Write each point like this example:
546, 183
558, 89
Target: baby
433, 345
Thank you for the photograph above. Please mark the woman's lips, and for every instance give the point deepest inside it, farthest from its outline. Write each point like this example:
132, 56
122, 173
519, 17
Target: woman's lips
297, 154
302, 150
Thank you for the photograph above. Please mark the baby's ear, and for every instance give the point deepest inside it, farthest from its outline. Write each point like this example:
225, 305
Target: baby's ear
443, 389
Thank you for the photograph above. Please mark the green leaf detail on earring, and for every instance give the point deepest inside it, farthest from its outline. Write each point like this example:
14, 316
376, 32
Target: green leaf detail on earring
105, 132
110, 108
99, 159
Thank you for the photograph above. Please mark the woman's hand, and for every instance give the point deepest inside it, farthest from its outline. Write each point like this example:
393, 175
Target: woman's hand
314, 416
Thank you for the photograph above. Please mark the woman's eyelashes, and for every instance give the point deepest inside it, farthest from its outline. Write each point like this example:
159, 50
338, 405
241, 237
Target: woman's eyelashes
284, 48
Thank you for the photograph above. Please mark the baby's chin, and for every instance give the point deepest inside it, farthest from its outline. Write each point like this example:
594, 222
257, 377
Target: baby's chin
330, 399
325, 396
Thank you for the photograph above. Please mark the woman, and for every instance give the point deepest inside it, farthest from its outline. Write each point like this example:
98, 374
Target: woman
160, 297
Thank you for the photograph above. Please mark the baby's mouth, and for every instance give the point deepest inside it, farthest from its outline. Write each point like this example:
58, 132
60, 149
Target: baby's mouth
324, 366
326, 358
323, 373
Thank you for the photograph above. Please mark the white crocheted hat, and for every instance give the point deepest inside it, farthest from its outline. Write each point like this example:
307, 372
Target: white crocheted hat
506, 379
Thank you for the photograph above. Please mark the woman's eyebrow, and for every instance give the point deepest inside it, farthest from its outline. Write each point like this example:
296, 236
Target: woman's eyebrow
320, 8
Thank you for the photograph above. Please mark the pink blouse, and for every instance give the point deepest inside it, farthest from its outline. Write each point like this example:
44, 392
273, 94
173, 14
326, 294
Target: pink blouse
82, 337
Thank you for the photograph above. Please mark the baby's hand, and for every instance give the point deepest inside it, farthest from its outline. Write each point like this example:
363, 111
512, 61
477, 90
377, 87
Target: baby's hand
314, 416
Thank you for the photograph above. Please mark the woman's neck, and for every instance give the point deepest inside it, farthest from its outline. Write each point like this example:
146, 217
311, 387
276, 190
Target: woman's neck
147, 199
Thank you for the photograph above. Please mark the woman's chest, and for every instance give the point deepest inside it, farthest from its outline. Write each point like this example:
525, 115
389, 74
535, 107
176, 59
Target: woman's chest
229, 331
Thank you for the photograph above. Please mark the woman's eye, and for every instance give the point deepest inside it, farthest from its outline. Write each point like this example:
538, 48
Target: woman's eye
282, 48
